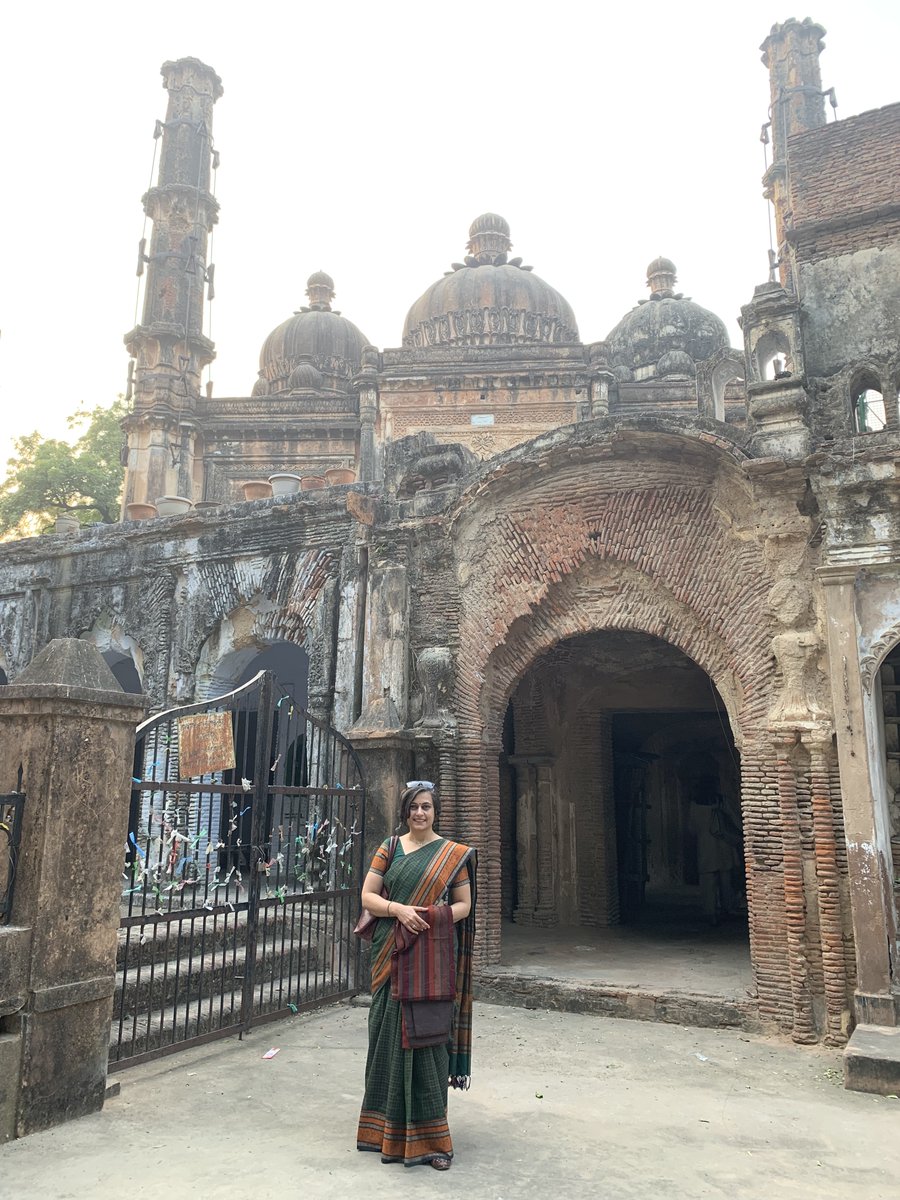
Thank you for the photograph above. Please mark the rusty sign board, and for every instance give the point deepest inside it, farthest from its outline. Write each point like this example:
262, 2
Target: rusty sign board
205, 744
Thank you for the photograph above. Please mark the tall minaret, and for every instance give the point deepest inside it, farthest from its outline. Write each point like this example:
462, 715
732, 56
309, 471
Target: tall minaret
168, 346
791, 52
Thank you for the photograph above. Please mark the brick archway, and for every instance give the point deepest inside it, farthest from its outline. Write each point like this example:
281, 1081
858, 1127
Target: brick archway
581, 552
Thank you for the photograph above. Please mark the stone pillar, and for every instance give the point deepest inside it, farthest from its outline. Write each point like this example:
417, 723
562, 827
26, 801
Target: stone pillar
868, 845
537, 851
366, 385
872, 1056
387, 764
526, 840
385, 685
70, 727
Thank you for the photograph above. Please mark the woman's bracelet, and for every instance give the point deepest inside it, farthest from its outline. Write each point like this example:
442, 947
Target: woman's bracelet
389, 908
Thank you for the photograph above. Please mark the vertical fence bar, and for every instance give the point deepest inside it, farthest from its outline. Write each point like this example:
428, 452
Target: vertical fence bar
259, 802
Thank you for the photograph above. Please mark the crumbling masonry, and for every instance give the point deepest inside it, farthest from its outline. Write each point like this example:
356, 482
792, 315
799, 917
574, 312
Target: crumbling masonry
570, 579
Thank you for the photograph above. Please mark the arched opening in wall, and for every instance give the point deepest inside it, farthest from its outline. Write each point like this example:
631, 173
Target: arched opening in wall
620, 818
723, 375
773, 355
288, 661
288, 754
867, 401
122, 666
889, 681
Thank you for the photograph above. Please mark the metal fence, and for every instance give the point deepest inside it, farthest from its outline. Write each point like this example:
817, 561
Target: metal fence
242, 871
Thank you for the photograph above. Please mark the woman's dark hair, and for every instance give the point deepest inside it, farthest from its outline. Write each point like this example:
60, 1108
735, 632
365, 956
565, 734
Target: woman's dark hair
409, 794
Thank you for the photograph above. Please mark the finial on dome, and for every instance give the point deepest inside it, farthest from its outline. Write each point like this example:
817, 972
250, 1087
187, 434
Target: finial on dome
320, 290
489, 239
661, 278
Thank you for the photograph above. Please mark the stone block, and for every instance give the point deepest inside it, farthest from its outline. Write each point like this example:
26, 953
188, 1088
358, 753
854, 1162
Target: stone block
872, 1060
64, 1064
15, 967
10, 1067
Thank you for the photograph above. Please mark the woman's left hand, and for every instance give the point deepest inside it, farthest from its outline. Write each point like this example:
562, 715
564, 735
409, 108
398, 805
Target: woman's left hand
409, 917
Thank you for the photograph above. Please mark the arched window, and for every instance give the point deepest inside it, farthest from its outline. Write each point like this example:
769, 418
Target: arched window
772, 355
867, 401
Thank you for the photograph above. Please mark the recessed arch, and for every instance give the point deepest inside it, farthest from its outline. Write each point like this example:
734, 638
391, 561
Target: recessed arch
121, 652
867, 401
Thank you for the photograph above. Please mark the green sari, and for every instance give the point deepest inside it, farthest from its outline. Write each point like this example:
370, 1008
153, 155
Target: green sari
404, 1110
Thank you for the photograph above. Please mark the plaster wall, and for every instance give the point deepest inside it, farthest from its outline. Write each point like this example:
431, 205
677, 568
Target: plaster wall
851, 309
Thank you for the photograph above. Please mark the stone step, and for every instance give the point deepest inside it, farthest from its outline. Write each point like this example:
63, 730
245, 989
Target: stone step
188, 1020
872, 1060
150, 984
636, 1004
157, 939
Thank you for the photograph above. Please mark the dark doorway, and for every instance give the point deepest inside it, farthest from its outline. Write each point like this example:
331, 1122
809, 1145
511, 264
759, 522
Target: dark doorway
620, 794
678, 820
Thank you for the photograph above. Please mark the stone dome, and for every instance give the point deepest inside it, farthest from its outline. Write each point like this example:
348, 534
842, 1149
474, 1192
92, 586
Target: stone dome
489, 299
305, 378
315, 339
666, 336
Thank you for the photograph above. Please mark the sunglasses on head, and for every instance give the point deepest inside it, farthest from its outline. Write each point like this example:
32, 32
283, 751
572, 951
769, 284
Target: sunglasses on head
423, 785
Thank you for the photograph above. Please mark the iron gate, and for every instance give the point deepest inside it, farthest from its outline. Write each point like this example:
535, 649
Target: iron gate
243, 862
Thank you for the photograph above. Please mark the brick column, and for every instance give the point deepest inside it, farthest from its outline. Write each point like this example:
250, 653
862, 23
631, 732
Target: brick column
804, 1027
70, 727
831, 924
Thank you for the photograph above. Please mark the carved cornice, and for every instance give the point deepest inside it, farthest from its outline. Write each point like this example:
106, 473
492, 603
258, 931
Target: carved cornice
491, 326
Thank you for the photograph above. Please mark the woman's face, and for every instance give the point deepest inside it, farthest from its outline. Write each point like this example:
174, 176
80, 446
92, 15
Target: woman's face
421, 814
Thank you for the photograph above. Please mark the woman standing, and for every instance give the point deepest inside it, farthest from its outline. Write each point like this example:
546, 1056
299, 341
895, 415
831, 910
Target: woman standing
421, 887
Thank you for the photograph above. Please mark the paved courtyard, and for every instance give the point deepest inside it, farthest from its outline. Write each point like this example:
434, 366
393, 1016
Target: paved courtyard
561, 1105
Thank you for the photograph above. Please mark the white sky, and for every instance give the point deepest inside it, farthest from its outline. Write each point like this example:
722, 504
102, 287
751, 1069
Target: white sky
363, 138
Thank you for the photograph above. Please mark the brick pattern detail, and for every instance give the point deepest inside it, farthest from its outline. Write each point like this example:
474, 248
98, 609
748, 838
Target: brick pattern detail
578, 555
831, 925
843, 185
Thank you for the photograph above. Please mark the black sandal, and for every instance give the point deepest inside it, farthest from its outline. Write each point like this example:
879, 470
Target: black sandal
441, 1162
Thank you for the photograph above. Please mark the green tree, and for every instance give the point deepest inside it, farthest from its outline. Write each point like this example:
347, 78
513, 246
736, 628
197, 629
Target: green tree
48, 477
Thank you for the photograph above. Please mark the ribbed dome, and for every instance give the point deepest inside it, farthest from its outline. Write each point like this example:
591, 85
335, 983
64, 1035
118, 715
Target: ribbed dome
489, 301
315, 339
665, 337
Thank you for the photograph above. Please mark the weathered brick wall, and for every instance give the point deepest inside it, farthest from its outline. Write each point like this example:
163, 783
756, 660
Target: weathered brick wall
617, 545
168, 585
845, 185
844, 238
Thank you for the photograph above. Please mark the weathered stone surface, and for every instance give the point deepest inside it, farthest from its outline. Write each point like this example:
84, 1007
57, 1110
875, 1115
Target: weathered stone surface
70, 663
674, 1008
872, 1060
74, 743
549, 545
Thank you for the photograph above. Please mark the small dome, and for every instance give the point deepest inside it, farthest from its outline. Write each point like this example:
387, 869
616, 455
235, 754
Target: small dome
488, 300
488, 238
305, 378
666, 337
676, 364
314, 349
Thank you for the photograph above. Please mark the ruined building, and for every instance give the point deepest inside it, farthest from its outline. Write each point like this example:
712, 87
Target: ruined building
589, 587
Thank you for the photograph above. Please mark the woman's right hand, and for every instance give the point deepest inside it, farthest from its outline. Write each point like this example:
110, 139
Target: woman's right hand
409, 916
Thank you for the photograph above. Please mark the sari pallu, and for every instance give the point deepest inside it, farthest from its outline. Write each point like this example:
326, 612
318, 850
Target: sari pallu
404, 1111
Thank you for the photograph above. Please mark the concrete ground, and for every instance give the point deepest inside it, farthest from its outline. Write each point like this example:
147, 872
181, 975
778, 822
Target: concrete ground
681, 955
561, 1104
